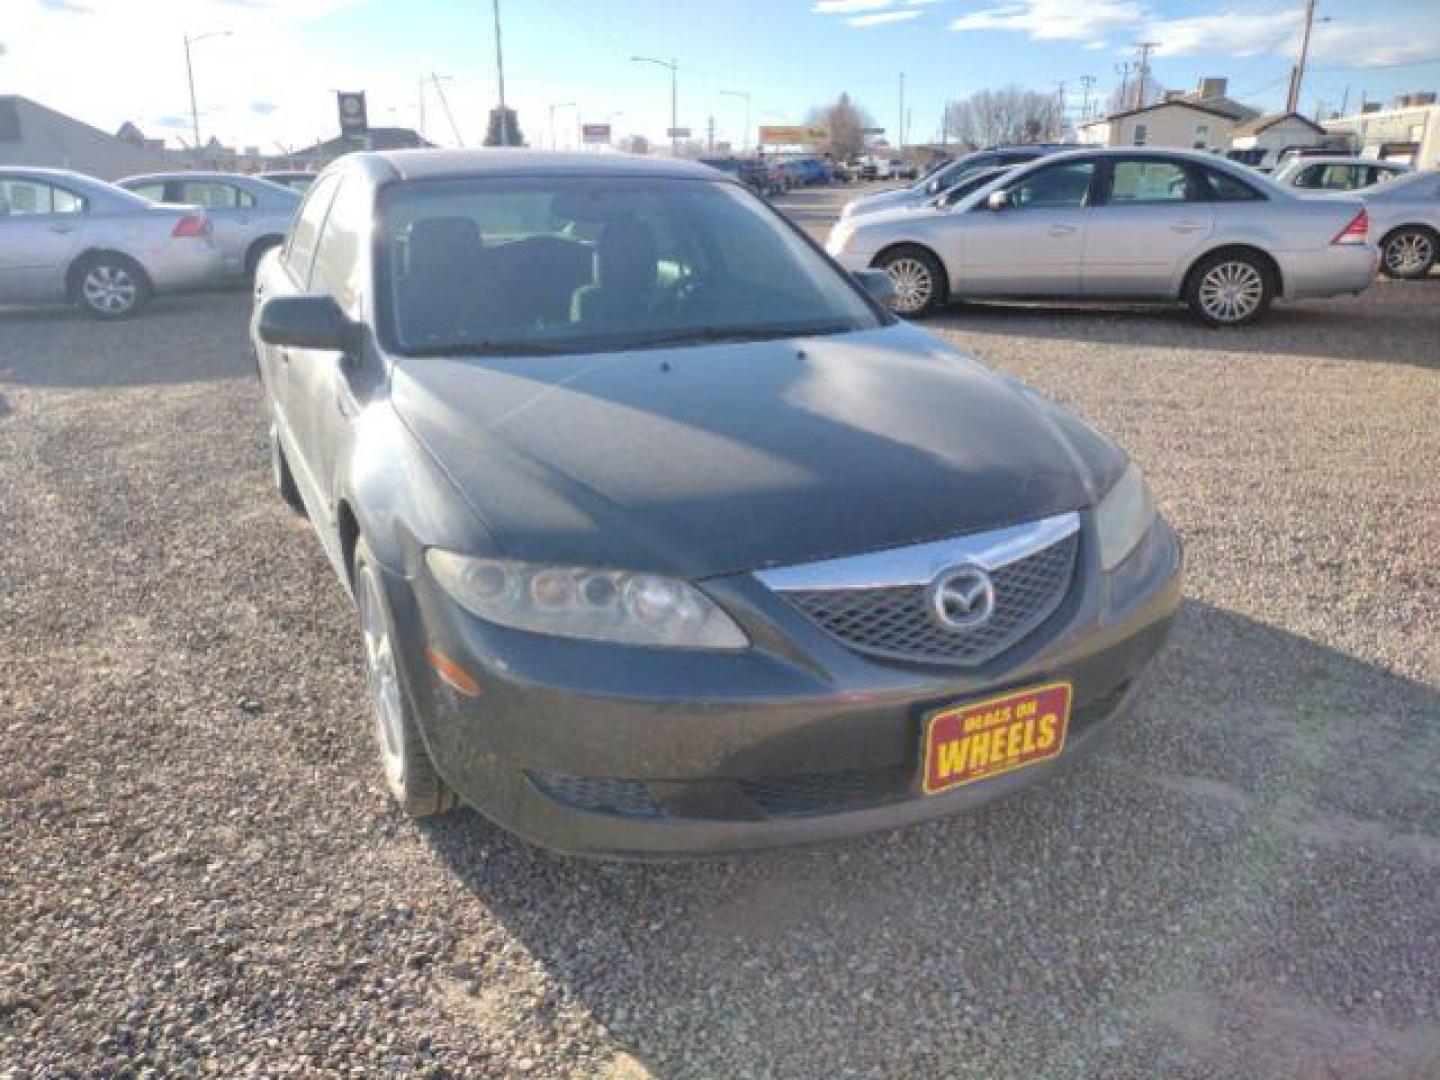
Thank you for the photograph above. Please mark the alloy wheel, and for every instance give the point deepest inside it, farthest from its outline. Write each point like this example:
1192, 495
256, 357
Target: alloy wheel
383, 678
1231, 291
914, 284
1409, 254
110, 289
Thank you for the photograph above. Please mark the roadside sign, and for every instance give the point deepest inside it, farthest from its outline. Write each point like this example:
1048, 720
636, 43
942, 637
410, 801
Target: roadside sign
872, 131
595, 133
677, 133
792, 134
352, 113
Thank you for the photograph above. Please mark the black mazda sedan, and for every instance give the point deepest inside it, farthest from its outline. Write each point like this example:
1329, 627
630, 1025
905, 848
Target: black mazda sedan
665, 535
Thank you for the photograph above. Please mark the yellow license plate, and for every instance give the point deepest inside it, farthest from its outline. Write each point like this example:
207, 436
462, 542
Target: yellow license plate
976, 740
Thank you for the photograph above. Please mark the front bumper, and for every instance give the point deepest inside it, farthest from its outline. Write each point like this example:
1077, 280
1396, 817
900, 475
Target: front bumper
614, 751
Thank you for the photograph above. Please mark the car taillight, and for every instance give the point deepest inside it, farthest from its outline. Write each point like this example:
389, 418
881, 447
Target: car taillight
192, 225
1357, 232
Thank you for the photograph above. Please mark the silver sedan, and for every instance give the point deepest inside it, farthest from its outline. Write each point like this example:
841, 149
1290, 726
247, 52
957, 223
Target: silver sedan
251, 215
65, 236
1405, 215
1123, 223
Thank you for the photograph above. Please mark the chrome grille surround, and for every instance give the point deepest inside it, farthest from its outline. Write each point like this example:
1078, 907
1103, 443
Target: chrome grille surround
879, 603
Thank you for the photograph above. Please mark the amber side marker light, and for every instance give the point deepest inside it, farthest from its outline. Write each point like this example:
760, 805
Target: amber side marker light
452, 674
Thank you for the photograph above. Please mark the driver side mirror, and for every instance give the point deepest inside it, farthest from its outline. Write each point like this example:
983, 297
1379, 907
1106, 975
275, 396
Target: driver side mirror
307, 322
878, 284
999, 200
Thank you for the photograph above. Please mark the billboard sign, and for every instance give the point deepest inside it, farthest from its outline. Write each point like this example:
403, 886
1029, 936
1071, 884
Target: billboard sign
595, 133
792, 134
677, 133
353, 120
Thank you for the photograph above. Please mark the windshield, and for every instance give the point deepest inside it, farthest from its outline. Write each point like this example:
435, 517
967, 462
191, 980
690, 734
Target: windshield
575, 264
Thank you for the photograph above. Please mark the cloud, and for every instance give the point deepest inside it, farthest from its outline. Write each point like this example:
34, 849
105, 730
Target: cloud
1229, 32
845, 7
263, 108
882, 17
1056, 20
69, 7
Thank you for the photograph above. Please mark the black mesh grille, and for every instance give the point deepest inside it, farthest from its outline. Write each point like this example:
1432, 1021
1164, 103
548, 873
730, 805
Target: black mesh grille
896, 621
819, 793
601, 795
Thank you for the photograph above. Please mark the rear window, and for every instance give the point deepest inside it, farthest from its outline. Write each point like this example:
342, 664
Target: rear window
1227, 188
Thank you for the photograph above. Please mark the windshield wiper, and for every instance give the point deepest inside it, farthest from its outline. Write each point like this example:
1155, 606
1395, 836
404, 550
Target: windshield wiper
484, 347
739, 333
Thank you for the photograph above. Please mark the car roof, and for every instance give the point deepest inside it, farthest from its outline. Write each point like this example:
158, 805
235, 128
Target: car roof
503, 161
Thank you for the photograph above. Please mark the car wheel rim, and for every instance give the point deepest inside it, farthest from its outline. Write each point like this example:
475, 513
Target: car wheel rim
383, 679
111, 289
1231, 291
913, 284
1409, 253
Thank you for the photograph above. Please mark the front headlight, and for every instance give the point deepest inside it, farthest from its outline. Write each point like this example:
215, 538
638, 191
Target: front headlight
1123, 516
578, 602
840, 235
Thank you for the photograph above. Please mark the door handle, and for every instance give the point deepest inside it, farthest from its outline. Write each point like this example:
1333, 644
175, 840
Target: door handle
1186, 227
1061, 230
62, 228
284, 355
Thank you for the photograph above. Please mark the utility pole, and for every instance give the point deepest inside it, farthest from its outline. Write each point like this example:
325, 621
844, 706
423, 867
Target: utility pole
710, 134
445, 104
674, 97
1123, 70
745, 137
422, 106
1145, 48
1059, 109
900, 131
500, 78
1087, 81
1297, 73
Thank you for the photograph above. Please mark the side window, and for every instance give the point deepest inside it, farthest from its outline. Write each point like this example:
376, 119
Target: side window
211, 194
28, 197
1309, 177
338, 263
1066, 185
1148, 181
300, 249
154, 191
1227, 188
1142, 133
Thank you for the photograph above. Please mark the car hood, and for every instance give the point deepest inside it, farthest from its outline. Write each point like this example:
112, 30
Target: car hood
884, 200
730, 457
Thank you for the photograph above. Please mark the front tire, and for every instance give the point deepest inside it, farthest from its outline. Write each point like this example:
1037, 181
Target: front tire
409, 773
1230, 288
920, 285
1409, 252
111, 287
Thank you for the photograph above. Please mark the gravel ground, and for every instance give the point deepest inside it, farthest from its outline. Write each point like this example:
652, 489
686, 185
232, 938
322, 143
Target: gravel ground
202, 874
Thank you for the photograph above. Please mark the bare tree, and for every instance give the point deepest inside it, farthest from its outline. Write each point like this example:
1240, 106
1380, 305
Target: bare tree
846, 123
1126, 95
1010, 114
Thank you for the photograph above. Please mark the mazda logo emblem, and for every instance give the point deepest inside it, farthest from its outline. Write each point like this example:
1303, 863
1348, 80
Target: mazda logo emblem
963, 598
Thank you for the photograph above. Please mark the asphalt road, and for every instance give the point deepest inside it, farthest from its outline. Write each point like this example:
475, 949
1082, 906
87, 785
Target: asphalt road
200, 871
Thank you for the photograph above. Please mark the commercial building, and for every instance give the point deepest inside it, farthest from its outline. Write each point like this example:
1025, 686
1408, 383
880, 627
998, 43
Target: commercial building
31, 134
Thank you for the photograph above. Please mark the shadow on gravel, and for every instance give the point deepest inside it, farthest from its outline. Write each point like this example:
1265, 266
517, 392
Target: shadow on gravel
176, 339
1393, 322
1242, 886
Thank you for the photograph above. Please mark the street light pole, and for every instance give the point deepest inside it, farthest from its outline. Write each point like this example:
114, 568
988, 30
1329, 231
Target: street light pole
674, 97
500, 76
190, 78
1297, 73
553, 107
745, 136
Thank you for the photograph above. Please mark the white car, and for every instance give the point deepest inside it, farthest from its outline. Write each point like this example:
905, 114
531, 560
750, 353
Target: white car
1123, 223
1340, 172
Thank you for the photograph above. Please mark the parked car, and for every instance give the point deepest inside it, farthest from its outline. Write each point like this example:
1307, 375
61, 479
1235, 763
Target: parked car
760, 177
942, 180
294, 179
68, 237
1337, 172
1405, 215
643, 561
1131, 223
250, 215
